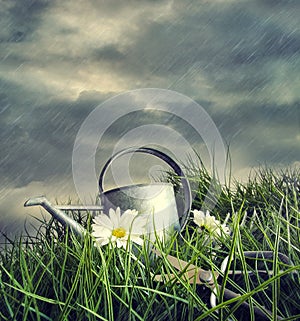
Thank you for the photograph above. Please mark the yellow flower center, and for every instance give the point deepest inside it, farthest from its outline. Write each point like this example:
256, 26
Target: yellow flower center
119, 232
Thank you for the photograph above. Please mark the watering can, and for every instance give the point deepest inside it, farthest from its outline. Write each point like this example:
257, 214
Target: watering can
157, 200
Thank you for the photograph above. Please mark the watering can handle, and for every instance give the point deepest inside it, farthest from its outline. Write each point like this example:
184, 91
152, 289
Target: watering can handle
169, 161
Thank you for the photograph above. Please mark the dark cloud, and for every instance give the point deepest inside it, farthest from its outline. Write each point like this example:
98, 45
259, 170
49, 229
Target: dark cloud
20, 19
232, 45
271, 42
265, 134
37, 140
280, 3
248, 116
269, 114
109, 52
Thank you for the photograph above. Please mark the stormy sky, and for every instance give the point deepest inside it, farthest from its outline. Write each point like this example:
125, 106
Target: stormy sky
59, 60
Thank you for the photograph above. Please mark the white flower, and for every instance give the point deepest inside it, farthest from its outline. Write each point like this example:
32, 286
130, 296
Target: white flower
117, 229
210, 223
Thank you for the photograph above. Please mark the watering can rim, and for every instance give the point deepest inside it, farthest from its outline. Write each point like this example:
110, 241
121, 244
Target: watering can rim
136, 185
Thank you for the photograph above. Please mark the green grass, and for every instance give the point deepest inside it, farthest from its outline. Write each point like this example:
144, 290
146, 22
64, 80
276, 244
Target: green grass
54, 275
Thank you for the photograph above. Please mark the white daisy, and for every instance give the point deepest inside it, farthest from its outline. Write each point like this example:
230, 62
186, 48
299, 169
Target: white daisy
210, 223
117, 229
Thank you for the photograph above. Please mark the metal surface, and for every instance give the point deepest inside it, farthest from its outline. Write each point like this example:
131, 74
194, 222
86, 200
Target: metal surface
155, 199
56, 213
191, 273
87, 208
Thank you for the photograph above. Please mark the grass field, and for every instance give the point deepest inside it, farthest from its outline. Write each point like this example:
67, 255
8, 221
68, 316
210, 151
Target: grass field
54, 275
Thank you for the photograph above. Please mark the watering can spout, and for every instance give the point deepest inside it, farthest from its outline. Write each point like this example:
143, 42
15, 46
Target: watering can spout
58, 214
40, 200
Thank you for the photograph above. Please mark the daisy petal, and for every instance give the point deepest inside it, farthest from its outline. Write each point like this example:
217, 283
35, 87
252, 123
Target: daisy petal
137, 240
127, 219
114, 217
101, 231
103, 220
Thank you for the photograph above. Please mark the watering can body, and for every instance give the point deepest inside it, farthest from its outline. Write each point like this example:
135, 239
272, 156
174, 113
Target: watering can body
156, 200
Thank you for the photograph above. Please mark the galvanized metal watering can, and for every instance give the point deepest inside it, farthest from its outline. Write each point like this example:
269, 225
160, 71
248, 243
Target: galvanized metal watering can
157, 200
